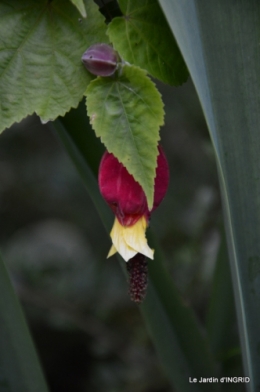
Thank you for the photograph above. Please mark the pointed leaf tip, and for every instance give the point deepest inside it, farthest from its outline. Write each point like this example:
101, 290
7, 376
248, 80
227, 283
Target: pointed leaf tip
126, 112
80, 6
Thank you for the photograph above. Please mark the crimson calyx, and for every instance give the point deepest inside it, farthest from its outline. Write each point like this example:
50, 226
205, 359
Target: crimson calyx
124, 195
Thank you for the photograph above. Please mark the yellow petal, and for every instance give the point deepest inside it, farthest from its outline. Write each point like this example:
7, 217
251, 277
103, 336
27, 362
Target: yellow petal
128, 241
112, 251
135, 238
117, 235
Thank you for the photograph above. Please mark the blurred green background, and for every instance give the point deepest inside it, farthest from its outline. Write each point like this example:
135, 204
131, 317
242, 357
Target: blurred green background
89, 335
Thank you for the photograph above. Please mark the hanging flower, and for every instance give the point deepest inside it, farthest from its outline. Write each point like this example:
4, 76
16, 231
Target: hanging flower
127, 200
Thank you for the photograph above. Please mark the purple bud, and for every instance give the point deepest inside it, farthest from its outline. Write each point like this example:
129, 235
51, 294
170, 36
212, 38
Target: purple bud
100, 60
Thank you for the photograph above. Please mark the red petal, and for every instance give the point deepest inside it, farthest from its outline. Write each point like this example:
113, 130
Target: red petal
123, 194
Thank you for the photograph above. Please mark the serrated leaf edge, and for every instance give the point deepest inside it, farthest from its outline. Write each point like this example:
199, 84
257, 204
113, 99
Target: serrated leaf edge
145, 73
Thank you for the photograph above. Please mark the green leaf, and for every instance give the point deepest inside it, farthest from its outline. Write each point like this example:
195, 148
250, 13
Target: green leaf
220, 44
173, 327
19, 366
221, 320
80, 6
40, 57
221, 316
126, 112
83, 136
178, 337
143, 37
73, 145
110, 10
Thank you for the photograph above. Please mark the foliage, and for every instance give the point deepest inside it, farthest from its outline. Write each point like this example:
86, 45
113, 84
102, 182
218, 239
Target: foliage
80, 6
234, 128
40, 51
126, 113
41, 72
143, 38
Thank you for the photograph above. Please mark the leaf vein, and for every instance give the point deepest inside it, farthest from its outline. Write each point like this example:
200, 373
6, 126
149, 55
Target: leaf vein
132, 136
24, 40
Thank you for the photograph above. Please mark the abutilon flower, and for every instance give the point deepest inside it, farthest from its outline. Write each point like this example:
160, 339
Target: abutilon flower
127, 200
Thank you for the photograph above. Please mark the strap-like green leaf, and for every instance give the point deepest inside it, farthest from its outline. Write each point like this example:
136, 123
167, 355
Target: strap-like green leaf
221, 316
127, 112
177, 336
143, 37
80, 6
220, 44
40, 57
19, 366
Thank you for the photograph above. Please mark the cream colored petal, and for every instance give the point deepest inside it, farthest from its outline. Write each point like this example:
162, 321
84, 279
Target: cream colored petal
135, 238
128, 241
112, 251
119, 243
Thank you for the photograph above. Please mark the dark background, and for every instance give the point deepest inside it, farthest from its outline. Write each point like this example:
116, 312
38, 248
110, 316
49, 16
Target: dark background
89, 335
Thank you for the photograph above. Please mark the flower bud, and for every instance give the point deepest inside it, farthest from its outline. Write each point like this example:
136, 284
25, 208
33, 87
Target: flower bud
100, 60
